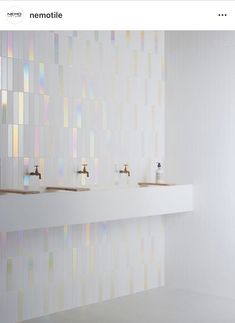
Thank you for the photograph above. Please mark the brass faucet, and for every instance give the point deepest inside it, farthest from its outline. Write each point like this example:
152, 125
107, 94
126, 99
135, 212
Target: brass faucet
84, 170
125, 170
36, 172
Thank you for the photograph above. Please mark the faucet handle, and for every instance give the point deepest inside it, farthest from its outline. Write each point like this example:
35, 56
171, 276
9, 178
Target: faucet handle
84, 165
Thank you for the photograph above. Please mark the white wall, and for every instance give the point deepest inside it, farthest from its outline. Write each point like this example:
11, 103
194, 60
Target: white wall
200, 132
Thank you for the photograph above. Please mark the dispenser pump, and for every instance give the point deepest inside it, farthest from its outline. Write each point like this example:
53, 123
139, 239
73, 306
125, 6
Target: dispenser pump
159, 173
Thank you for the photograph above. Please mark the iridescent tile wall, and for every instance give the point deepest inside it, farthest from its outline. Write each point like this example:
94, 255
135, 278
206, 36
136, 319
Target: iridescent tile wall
70, 97
49, 270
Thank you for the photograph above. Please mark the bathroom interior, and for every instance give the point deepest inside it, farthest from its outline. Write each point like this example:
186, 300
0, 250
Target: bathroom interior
116, 176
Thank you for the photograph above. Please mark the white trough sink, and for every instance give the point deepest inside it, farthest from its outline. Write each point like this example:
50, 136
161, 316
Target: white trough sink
24, 212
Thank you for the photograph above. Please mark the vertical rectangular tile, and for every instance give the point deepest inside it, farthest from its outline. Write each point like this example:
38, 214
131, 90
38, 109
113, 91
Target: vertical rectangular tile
66, 112
75, 134
45, 239
142, 40
74, 261
156, 44
84, 88
21, 107
70, 50
149, 65
50, 266
112, 36
36, 141
60, 297
21, 141
41, 78
31, 47
20, 305
30, 271
135, 60
66, 233
15, 140
26, 172
79, 116
61, 79
46, 110
10, 74
128, 37
4, 106
92, 144
56, 48
10, 44
26, 77
10, 140
88, 233
96, 35
145, 276
9, 272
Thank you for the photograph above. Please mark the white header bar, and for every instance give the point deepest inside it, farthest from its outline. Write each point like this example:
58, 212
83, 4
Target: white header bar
117, 15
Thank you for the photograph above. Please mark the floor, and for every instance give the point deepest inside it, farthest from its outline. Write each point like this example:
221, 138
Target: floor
160, 305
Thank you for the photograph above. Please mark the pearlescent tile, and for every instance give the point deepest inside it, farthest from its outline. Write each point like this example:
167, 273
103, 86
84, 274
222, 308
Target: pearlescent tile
70, 50
66, 113
15, 138
96, 35
10, 141
26, 77
92, 144
74, 134
79, 115
20, 305
56, 48
9, 74
9, 272
10, 44
128, 37
46, 110
4, 106
21, 141
31, 47
30, 271
113, 36
36, 142
142, 38
26, 171
41, 78
21, 108
89, 97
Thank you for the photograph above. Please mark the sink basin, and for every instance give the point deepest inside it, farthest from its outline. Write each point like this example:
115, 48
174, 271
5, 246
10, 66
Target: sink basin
64, 188
143, 184
49, 189
14, 191
113, 187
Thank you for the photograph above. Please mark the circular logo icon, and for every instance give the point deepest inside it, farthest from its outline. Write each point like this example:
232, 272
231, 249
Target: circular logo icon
14, 15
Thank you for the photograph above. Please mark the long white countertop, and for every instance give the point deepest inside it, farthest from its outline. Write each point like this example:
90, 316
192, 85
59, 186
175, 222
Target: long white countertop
23, 212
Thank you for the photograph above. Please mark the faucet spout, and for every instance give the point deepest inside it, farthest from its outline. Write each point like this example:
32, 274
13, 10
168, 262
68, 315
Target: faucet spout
36, 172
125, 170
84, 170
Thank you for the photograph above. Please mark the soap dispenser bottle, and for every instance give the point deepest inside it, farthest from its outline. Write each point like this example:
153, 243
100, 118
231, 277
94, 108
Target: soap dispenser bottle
159, 173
